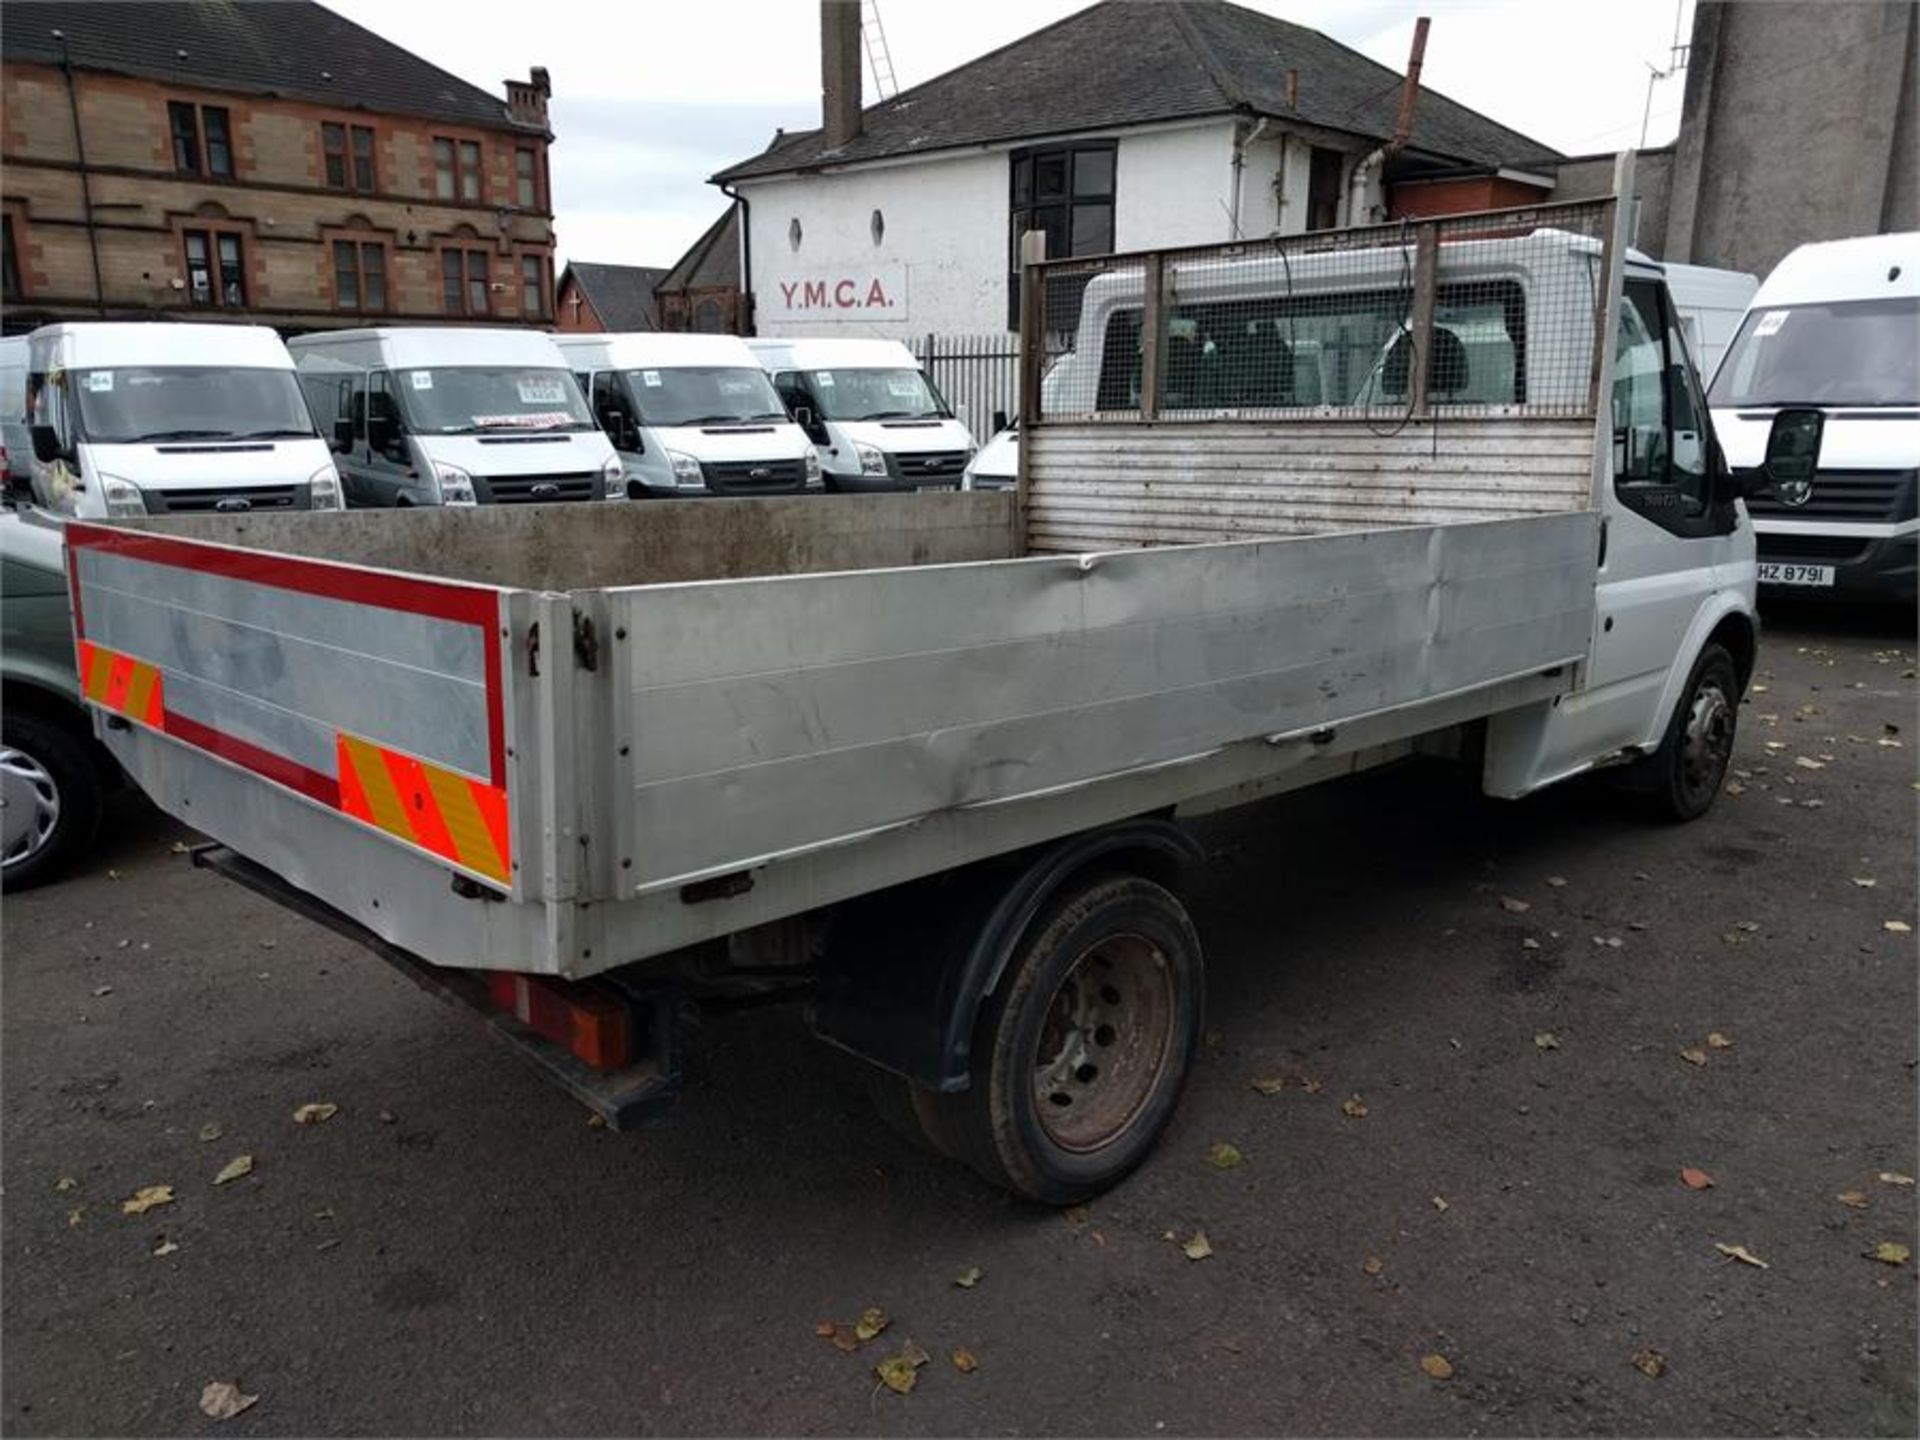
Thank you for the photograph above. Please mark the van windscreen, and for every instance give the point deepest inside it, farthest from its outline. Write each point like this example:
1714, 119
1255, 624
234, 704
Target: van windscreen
900, 394
703, 395
135, 404
468, 399
1849, 352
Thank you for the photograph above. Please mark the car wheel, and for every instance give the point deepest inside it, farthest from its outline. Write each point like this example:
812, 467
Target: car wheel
1685, 774
50, 798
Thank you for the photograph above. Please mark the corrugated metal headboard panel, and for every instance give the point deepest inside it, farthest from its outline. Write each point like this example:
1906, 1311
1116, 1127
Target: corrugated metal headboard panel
1107, 487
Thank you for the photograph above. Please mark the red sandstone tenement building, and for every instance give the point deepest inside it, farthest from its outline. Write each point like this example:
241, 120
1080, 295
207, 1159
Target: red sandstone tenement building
264, 160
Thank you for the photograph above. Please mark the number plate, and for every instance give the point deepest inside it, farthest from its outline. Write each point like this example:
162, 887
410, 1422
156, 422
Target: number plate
1781, 572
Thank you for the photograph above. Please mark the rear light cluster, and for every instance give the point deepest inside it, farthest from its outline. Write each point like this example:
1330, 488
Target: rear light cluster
589, 1021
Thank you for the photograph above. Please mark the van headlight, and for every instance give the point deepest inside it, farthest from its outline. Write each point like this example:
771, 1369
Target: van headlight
323, 490
121, 497
686, 471
812, 462
613, 479
872, 460
454, 484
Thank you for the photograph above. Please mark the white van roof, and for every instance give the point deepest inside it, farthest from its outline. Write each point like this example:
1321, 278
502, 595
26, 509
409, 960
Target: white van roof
1702, 287
801, 353
411, 347
640, 349
1863, 268
103, 345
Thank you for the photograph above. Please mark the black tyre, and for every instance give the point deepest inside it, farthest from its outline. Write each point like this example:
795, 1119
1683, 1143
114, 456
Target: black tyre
1683, 777
1080, 1054
51, 793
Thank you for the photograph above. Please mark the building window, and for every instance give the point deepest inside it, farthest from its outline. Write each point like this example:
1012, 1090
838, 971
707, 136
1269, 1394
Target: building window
1066, 192
189, 125
443, 169
469, 170
348, 152
216, 268
533, 286
1323, 189
359, 275
461, 181
464, 283
526, 177
9, 262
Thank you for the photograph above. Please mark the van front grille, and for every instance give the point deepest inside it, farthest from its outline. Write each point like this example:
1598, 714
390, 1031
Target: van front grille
540, 489
755, 477
930, 467
1844, 495
238, 498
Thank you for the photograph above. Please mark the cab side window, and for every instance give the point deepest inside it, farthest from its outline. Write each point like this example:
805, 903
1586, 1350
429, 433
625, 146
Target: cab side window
1662, 441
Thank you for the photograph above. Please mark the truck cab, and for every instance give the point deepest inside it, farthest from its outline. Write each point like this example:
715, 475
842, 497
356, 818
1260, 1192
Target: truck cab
444, 416
691, 415
872, 414
160, 418
1834, 328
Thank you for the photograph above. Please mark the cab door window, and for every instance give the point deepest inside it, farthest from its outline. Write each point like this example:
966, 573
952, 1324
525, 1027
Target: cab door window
1663, 462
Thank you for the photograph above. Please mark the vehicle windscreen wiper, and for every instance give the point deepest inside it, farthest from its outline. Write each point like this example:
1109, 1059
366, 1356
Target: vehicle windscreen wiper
156, 435
280, 434
729, 419
904, 415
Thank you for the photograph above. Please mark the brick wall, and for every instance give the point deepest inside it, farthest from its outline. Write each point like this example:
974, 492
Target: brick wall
277, 201
573, 314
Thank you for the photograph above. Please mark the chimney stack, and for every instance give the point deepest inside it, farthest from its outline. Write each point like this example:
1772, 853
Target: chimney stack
839, 71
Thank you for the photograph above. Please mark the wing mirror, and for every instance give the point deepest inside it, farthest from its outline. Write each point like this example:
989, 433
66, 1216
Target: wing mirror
342, 435
1793, 453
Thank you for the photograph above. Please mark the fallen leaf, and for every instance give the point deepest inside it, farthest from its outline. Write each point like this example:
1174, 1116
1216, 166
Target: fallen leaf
74, 1218
234, 1169
1887, 1252
963, 1360
1864, 882
596, 1121
1312, 1087
1224, 1156
179, 847
1897, 927
1805, 763
146, 1198
1354, 1108
1852, 1199
898, 1374
1556, 881
387, 1117
845, 1340
1437, 1366
914, 1355
1694, 1057
315, 1112
968, 1278
1546, 1040
1718, 1041
1513, 906
165, 1247
100, 992
1439, 1204
1076, 1214
66, 1182
1372, 1265
1696, 1179
223, 1401
1529, 943
1894, 1177
1197, 1248
825, 1329
210, 1131
1650, 1363
1268, 1084
872, 1321
1743, 1255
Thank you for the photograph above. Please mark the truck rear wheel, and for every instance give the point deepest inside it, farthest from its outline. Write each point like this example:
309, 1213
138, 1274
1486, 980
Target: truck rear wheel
1081, 1051
1685, 774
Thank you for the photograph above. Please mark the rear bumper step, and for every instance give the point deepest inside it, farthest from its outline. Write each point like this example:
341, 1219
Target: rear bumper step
622, 1097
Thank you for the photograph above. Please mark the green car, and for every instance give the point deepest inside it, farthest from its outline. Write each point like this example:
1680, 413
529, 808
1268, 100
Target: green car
54, 776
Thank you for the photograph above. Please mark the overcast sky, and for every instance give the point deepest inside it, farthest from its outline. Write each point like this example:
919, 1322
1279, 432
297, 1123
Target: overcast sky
651, 98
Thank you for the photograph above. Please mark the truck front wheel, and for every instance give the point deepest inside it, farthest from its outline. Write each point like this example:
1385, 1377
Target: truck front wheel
1081, 1051
1685, 774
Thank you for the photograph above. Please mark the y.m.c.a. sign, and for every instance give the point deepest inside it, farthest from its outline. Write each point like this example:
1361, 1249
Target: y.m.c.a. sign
870, 293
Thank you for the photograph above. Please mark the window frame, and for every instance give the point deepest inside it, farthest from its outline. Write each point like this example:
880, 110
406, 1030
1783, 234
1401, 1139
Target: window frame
542, 283
529, 193
13, 279
446, 180
191, 123
1024, 212
1670, 503
360, 249
458, 265
177, 112
466, 151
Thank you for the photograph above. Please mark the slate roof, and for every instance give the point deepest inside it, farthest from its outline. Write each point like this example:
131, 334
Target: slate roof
1127, 62
254, 47
621, 295
712, 261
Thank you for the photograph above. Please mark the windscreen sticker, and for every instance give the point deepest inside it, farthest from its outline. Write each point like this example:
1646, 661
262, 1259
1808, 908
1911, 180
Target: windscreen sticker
422, 379
99, 380
537, 419
650, 377
903, 387
1769, 323
541, 392
825, 377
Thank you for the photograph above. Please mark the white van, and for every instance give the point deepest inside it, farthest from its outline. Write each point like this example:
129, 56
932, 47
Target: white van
1836, 326
1711, 304
16, 442
691, 415
870, 411
443, 416
157, 418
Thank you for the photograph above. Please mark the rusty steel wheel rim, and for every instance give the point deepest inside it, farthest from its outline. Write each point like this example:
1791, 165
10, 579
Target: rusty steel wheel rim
1105, 1043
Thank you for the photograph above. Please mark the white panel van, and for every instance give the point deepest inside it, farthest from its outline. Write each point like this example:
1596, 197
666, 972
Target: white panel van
155, 418
872, 414
445, 416
691, 415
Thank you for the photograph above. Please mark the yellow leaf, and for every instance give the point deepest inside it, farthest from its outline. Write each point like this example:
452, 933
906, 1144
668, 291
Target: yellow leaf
1894, 1177
74, 1217
234, 1169
1865, 882
1224, 1156
1372, 1265
1889, 1253
146, 1198
1546, 1040
963, 1360
165, 1247
968, 1278
1076, 1214
1439, 1204
1650, 1363
898, 1373
1717, 1041
872, 1321
1513, 906
210, 1131
1852, 1199
1197, 1248
66, 1182
223, 1401
1312, 1087
1897, 927
1354, 1109
1743, 1255
1694, 1057
1437, 1366
315, 1112
1268, 1084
